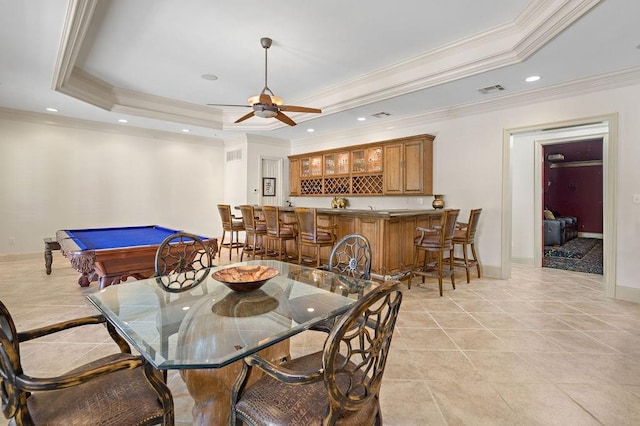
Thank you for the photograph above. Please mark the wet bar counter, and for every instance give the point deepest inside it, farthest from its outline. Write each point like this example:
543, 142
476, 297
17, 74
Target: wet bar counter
390, 232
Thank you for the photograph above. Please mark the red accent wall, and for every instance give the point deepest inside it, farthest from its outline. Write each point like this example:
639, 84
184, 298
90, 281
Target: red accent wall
575, 191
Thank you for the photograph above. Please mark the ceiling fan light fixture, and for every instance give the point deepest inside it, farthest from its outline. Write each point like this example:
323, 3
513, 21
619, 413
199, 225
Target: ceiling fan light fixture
265, 113
266, 104
256, 100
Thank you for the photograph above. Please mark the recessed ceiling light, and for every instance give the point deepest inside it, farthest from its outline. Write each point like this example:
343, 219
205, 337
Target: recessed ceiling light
52, 110
361, 118
532, 78
209, 77
186, 130
122, 120
310, 130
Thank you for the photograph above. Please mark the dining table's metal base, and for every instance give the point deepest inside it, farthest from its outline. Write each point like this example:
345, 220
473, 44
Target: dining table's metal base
211, 388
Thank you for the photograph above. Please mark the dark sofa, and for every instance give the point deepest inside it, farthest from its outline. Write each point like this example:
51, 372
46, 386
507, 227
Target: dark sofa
559, 229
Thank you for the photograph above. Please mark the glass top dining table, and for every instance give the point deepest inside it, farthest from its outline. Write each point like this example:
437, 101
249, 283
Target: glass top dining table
211, 326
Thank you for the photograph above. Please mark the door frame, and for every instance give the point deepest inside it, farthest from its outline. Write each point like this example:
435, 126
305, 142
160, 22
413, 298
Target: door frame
609, 162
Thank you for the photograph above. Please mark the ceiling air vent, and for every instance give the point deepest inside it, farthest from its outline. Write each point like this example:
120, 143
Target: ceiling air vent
380, 114
234, 155
491, 89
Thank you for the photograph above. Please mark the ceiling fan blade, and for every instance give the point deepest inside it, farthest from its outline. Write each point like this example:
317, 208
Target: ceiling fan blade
293, 108
285, 119
230, 105
244, 117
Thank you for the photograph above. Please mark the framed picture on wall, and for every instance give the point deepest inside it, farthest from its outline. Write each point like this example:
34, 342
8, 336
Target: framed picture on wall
268, 187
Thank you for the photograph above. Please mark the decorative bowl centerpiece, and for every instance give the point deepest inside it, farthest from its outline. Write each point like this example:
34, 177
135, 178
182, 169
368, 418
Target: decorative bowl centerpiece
245, 278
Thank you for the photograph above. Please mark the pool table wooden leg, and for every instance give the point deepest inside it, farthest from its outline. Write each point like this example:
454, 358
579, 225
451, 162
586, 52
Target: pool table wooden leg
49, 245
84, 280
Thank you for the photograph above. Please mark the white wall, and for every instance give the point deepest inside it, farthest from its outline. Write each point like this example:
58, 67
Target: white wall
54, 177
264, 147
468, 162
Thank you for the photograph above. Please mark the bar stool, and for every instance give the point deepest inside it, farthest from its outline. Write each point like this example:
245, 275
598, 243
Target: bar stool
437, 239
278, 232
255, 229
465, 236
233, 225
310, 234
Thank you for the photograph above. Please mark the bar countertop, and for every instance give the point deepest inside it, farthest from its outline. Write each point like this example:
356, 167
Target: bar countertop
385, 213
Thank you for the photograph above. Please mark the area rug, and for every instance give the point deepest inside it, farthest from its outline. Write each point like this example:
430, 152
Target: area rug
579, 254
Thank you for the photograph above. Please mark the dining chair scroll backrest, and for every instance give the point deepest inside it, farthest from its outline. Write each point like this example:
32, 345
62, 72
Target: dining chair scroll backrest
338, 385
117, 389
182, 260
351, 256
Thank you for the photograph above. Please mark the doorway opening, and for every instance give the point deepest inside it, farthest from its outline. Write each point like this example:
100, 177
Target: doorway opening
522, 207
572, 198
272, 191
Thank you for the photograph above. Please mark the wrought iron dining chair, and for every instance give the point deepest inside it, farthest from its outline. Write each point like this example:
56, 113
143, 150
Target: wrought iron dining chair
340, 384
465, 236
278, 232
255, 230
351, 256
312, 235
437, 240
118, 389
182, 262
233, 225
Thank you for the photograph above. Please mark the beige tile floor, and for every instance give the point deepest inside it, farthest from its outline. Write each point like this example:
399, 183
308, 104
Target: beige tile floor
545, 347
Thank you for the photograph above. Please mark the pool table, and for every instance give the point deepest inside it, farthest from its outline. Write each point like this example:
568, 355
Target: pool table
114, 254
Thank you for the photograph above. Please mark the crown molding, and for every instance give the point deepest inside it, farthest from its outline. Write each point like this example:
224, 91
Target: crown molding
504, 45
76, 123
614, 80
79, 14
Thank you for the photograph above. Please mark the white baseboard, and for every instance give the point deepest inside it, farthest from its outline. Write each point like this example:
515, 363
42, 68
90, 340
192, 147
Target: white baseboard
491, 271
522, 260
630, 294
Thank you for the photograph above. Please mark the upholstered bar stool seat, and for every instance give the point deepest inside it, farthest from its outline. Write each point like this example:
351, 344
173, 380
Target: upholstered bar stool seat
310, 234
255, 230
465, 236
233, 225
437, 240
278, 232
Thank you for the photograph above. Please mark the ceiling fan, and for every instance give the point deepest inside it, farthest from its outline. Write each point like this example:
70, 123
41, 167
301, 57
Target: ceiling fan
266, 104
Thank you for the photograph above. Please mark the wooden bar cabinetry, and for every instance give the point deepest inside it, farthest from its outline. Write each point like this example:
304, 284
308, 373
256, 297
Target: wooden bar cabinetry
395, 167
408, 165
390, 232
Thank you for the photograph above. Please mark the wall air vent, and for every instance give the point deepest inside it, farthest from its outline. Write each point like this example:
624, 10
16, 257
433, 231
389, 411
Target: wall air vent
491, 89
234, 155
380, 114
